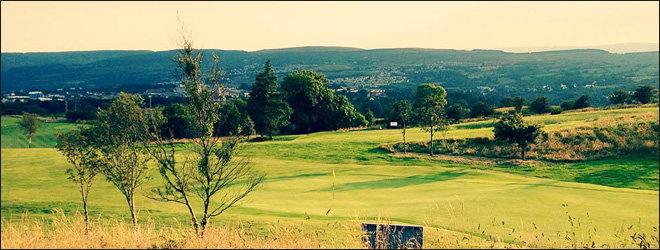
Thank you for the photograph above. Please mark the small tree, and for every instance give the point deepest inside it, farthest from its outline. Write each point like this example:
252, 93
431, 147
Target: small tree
402, 113
76, 146
481, 109
429, 105
511, 128
247, 127
120, 130
369, 115
582, 102
212, 171
645, 94
519, 102
29, 125
619, 97
541, 105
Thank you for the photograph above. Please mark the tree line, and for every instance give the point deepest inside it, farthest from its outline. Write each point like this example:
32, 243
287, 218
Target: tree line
302, 103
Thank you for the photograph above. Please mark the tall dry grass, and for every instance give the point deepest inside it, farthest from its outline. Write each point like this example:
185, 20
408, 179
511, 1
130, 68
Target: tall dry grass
63, 231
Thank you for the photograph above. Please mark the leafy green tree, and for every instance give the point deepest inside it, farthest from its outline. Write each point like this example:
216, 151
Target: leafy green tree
506, 102
645, 94
481, 109
456, 112
306, 94
619, 97
369, 115
340, 113
77, 147
402, 114
29, 125
582, 102
267, 107
119, 131
541, 105
519, 102
429, 105
511, 128
315, 107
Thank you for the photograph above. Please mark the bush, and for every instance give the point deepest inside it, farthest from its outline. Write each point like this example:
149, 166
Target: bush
555, 110
481, 109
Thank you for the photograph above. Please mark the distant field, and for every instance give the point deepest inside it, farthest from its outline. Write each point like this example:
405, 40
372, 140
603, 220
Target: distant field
459, 198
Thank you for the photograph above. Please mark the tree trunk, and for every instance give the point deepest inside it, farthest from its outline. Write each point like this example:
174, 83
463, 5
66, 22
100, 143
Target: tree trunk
431, 140
86, 217
84, 201
404, 139
205, 218
270, 135
192, 214
131, 207
523, 153
29, 142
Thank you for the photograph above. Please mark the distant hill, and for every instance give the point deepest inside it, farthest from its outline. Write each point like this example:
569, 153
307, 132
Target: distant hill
490, 74
309, 49
613, 48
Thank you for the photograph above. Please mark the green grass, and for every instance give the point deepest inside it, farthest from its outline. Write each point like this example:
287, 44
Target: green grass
370, 182
46, 136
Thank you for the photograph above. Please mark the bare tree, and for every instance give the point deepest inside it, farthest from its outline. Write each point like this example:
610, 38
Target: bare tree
402, 113
213, 171
80, 152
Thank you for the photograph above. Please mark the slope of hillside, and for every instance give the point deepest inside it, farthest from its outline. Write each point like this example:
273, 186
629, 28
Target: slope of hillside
471, 199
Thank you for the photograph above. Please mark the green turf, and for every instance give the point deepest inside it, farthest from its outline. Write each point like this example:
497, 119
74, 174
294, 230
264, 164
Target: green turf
371, 182
46, 136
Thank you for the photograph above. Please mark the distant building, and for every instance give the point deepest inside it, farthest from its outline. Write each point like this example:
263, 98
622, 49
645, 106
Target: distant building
56, 97
18, 98
35, 94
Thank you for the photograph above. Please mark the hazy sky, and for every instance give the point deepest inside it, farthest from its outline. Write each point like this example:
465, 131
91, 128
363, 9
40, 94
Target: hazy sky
67, 26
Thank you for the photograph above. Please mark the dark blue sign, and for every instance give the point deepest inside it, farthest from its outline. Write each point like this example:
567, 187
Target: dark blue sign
389, 236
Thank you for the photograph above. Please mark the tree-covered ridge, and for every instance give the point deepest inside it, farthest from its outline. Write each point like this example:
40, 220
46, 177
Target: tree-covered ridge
560, 75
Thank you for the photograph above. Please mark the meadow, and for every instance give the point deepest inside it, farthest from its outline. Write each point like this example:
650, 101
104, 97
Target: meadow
461, 201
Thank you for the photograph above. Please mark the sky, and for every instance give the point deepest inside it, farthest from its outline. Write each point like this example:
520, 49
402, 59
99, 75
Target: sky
82, 26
